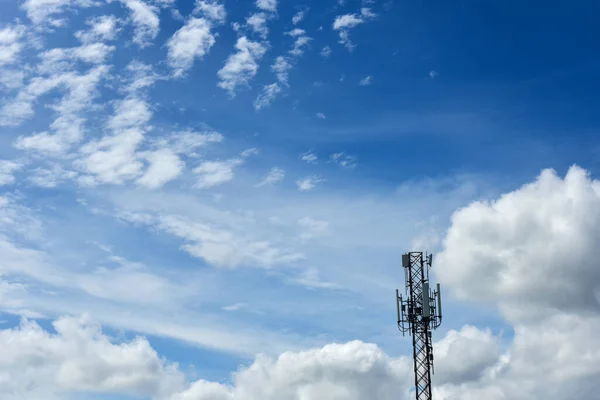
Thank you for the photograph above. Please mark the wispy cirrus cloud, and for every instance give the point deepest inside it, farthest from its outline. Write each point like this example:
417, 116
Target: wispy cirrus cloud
309, 183
344, 23
274, 176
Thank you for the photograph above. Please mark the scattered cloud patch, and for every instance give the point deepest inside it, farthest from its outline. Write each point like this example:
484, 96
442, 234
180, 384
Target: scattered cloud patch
274, 176
7, 170
145, 20
299, 16
312, 228
101, 29
164, 166
266, 97
42, 12
192, 41
326, 52
258, 23
282, 67
212, 10
366, 81
321, 116
214, 173
344, 160
241, 66
267, 5
309, 157
308, 183
344, 23
10, 44
433, 74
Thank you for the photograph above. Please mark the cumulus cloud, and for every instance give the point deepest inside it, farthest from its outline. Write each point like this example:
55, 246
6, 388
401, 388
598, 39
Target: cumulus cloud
191, 41
267, 5
326, 51
258, 23
145, 20
241, 66
212, 10
78, 357
102, 28
301, 41
520, 250
42, 12
344, 23
350, 371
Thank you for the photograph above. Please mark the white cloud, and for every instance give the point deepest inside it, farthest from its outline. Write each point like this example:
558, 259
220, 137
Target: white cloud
350, 371
50, 177
514, 250
214, 173
191, 41
326, 51
7, 170
235, 307
188, 142
40, 12
309, 157
344, 23
300, 43
282, 67
67, 129
366, 81
258, 23
241, 66
433, 74
113, 158
102, 28
10, 45
321, 115
267, 5
221, 247
274, 176
266, 97
164, 167
310, 279
79, 357
145, 19
299, 16
312, 227
211, 10
308, 183
344, 160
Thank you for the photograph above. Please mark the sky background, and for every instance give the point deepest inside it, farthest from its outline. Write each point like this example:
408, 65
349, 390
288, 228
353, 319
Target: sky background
227, 179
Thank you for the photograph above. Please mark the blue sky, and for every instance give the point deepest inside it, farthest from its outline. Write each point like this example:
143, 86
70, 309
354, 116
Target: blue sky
238, 177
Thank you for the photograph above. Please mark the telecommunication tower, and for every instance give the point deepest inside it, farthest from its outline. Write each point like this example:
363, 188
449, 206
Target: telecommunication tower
419, 314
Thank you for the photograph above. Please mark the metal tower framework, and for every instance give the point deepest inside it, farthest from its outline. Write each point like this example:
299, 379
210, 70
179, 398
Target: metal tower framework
419, 314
